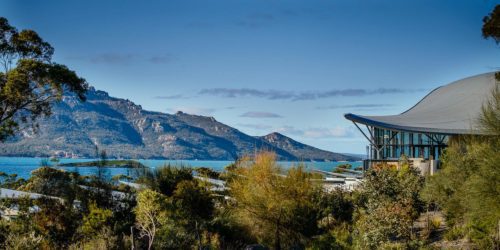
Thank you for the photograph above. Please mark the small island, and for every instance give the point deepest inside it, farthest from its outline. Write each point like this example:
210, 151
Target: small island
106, 163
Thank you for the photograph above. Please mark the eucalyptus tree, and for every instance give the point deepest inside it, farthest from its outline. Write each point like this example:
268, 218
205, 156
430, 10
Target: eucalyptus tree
150, 214
491, 25
29, 81
491, 28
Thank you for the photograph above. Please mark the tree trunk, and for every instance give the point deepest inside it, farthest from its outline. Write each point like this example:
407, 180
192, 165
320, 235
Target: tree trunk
132, 237
277, 243
150, 243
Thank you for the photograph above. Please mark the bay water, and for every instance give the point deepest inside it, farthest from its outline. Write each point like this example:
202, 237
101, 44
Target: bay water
22, 166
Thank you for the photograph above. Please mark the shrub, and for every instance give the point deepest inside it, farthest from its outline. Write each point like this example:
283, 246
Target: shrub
388, 203
165, 179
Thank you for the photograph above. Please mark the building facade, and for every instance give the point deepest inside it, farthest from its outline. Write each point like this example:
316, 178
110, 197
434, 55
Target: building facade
422, 132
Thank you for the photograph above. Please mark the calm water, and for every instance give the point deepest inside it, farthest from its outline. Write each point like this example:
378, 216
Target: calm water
22, 166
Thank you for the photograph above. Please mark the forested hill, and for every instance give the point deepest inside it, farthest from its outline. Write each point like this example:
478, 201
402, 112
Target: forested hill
125, 130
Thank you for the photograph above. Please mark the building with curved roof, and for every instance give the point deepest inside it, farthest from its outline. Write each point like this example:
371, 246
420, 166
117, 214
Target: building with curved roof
423, 130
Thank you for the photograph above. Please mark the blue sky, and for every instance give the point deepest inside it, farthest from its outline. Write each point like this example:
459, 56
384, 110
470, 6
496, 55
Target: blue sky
261, 66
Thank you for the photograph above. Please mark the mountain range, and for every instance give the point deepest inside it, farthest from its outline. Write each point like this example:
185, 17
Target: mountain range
125, 130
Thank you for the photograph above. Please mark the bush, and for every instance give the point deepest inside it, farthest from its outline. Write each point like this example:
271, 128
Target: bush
388, 202
103, 240
165, 179
28, 240
454, 233
207, 172
95, 221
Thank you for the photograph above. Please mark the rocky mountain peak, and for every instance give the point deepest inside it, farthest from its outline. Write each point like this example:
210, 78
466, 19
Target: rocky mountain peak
125, 130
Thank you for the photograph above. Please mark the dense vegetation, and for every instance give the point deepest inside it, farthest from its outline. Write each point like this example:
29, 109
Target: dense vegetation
264, 205
467, 189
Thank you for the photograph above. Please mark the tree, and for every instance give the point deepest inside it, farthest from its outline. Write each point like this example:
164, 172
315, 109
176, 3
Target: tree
194, 205
150, 214
53, 182
279, 210
30, 81
103, 159
95, 221
336, 215
165, 179
207, 172
491, 25
56, 221
491, 28
336, 207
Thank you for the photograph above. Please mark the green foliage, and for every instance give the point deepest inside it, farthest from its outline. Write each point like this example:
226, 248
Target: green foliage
165, 179
106, 163
455, 233
189, 205
340, 168
103, 240
231, 235
56, 221
345, 166
490, 114
336, 208
193, 201
43, 223
23, 241
278, 210
468, 186
53, 182
11, 181
337, 238
388, 204
194, 207
491, 29
44, 162
120, 177
150, 214
34, 83
207, 172
267, 206
103, 157
491, 25
95, 221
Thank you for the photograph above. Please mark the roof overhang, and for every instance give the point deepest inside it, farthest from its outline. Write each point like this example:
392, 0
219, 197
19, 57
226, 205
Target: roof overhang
396, 127
453, 109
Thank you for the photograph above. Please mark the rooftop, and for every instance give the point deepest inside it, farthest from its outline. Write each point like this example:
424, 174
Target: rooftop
449, 109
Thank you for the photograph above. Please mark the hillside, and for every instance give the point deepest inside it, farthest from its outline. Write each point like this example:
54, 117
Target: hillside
125, 130
303, 151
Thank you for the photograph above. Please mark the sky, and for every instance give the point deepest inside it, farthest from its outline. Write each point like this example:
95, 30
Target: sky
294, 67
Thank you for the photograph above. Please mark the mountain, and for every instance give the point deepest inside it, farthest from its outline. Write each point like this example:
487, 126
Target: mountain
360, 156
303, 151
125, 130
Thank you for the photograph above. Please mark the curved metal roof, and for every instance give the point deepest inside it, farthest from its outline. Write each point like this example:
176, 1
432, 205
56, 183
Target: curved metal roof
449, 109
